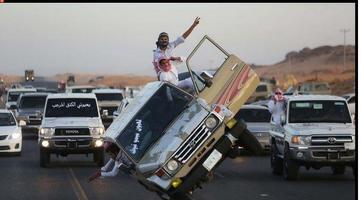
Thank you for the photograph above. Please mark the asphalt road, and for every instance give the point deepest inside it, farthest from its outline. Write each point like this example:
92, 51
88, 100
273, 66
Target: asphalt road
246, 178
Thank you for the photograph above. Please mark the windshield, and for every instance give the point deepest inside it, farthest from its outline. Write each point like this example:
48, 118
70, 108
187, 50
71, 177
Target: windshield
71, 107
261, 88
152, 119
319, 112
7, 119
109, 96
32, 102
13, 96
254, 115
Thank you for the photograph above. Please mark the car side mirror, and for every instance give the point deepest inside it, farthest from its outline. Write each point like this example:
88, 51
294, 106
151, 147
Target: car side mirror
13, 107
22, 123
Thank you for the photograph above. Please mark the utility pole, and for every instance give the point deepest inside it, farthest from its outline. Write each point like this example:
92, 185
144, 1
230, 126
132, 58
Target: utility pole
344, 46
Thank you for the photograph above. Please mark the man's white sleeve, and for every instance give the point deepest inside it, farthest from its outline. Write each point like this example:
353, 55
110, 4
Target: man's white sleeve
112, 173
178, 41
271, 106
106, 166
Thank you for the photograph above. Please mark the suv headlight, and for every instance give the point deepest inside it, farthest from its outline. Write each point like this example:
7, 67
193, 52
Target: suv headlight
96, 131
47, 131
172, 165
211, 122
301, 140
15, 135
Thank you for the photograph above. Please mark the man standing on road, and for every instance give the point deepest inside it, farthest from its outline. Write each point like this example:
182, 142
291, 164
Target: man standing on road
277, 106
165, 48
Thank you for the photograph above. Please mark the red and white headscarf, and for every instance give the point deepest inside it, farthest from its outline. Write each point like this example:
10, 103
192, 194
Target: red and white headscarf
279, 95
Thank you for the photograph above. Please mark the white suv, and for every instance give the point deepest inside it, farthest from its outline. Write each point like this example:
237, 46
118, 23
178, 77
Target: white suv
71, 125
316, 132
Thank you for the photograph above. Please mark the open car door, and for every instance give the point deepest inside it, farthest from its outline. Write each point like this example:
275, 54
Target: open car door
233, 81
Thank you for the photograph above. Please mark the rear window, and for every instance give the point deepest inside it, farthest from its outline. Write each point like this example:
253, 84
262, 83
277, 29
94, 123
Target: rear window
254, 115
71, 107
32, 102
109, 96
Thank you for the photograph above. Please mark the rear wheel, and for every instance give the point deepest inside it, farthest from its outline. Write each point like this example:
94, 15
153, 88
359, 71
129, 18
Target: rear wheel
98, 157
290, 167
338, 170
44, 157
276, 162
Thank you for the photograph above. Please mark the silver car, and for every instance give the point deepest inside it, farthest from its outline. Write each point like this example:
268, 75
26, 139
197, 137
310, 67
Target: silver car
258, 120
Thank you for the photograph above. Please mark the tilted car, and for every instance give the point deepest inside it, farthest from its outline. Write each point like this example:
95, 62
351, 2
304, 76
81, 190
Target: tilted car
71, 125
175, 140
316, 131
10, 133
258, 120
30, 109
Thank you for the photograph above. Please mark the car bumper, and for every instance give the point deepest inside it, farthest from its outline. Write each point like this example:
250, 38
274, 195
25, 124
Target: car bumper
322, 155
73, 145
13, 145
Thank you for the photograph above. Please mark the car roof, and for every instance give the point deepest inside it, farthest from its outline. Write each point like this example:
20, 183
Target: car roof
108, 90
35, 94
315, 97
251, 106
71, 95
22, 90
80, 86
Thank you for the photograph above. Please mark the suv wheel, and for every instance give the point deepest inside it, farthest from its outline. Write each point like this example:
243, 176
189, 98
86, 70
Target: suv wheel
290, 167
276, 162
44, 157
338, 170
98, 157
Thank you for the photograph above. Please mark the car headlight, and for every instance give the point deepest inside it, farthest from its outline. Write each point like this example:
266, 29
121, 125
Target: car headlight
172, 165
301, 140
96, 131
46, 131
211, 122
15, 135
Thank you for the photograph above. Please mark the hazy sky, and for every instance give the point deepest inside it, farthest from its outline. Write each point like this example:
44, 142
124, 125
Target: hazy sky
118, 38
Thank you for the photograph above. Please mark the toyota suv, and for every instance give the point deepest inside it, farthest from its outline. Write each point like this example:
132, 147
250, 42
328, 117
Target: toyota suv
71, 125
316, 131
174, 139
108, 102
30, 109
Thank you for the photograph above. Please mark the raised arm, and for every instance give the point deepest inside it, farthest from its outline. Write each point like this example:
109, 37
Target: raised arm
190, 29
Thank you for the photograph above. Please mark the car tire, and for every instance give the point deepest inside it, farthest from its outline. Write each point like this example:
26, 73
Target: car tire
98, 157
276, 162
290, 167
338, 170
44, 157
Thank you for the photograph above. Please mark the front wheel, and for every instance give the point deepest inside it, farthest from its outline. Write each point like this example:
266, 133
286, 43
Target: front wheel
98, 157
276, 162
44, 157
338, 170
290, 167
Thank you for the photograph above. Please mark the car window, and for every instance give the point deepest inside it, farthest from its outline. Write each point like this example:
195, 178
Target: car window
254, 115
109, 96
261, 88
7, 119
32, 102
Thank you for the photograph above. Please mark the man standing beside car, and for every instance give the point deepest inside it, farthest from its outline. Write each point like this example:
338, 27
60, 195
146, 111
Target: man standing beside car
277, 106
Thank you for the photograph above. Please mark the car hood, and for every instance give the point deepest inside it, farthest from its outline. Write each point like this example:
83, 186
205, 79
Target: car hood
258, 126
320, 129
30, 111
71, 122
6, 130
160, 151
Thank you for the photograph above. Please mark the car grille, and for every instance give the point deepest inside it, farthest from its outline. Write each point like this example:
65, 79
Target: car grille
78, 143
330, 140
110, 110
71, 131
3, 137
194, 141
333, 155
4, 147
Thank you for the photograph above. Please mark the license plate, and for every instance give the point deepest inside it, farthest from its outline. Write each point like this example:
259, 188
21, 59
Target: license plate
212, 160
350, 146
